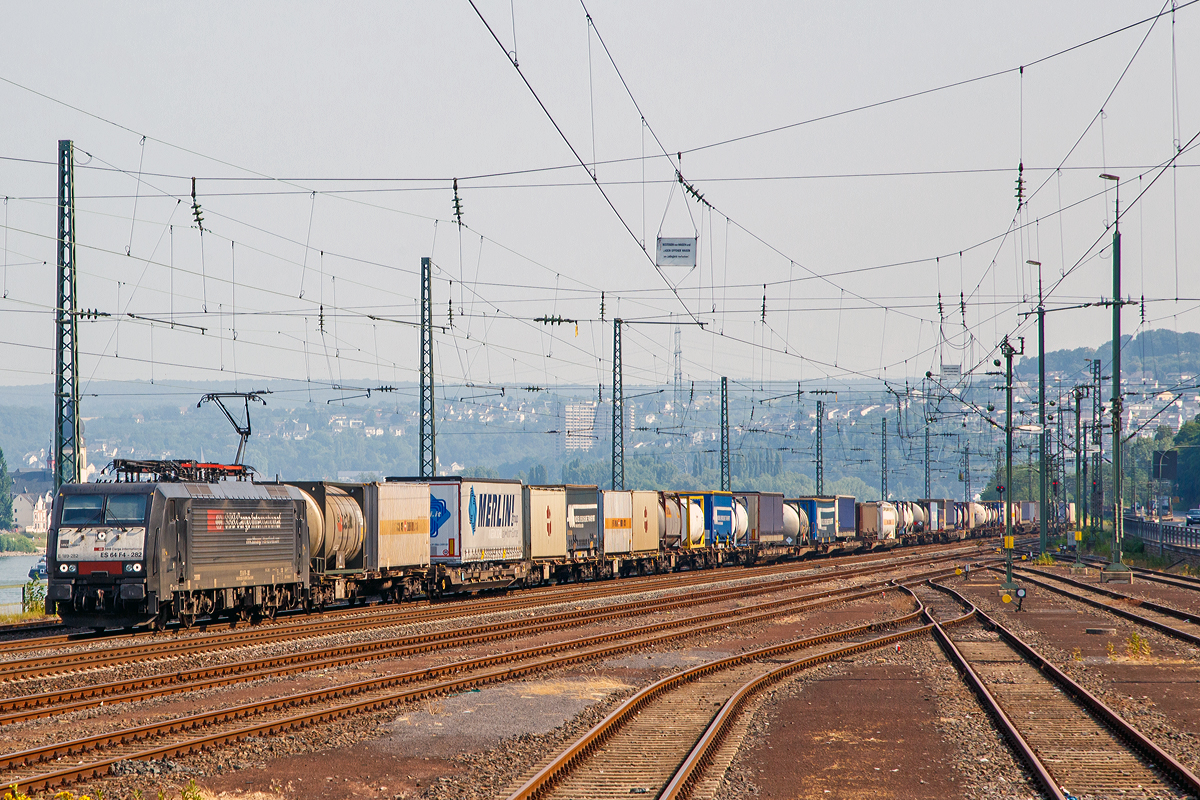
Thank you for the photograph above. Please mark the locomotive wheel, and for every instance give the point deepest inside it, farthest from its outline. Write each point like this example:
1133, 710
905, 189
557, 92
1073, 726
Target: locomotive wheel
269, 613
186, 619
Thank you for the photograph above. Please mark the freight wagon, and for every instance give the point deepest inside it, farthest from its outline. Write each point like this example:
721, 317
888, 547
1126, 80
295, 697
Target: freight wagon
180, 540
366, 539
476, 534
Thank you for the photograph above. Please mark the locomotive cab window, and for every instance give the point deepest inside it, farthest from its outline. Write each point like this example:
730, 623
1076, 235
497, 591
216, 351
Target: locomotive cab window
83, 509
125, 509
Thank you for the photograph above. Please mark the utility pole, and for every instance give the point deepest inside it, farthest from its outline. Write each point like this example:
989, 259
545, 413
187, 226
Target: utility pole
1115, 564
883, 463
725, 482
678, 399
1085, 500
428, 422
820, 448
927, 424
1008, 351
618, 412
967, 475
67, 466
1043, 439
1097, 507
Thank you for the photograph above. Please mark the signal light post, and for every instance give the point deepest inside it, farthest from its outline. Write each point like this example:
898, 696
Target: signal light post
1115, 565
1008, 351
1080, 459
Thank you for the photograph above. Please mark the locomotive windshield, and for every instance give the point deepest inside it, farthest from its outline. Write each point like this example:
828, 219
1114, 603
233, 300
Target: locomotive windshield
91, 509
125, 509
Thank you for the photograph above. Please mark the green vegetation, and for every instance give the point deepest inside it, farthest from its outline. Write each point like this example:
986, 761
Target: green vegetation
6, 508
17, 543
1161, 354
33, 598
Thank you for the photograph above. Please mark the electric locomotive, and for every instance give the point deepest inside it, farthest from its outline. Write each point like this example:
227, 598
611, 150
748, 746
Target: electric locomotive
171, 540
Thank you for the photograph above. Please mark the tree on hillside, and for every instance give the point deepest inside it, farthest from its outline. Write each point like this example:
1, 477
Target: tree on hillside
1188, 480
6, 517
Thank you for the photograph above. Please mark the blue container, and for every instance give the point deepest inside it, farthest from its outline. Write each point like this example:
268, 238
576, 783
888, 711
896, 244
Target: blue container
822, 517
846, 516
718, 519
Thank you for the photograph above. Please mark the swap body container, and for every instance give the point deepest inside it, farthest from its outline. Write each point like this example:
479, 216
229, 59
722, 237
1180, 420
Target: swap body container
475, 520
764, 517
647, 534
545, 522
584, 534
616, 513
877, 521
846, 518
941, 514
822, 517
718, 519
397, 525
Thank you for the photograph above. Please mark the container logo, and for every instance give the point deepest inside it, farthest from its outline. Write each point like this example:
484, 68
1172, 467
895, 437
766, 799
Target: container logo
493, 510
438, 515
223, 520
472, 510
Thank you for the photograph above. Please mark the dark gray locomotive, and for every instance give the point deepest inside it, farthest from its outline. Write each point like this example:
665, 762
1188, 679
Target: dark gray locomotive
178, 546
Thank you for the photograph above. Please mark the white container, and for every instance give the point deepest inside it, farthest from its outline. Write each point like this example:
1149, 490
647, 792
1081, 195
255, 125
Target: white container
545, 524
647, 533
670, 519
473, 520
397, 525
617, 519
877, 521
694, 534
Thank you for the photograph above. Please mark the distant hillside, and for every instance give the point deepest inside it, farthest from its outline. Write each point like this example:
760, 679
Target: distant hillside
1160, 355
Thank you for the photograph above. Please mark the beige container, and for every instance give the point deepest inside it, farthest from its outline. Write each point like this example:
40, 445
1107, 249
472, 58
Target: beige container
617, 518
402, 511
545, 510
646, 532
877, 521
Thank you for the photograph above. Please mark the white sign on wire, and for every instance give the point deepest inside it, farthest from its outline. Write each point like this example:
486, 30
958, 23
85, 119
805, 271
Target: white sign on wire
676, 252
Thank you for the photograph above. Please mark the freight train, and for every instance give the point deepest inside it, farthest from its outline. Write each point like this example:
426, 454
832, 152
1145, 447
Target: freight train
179, 541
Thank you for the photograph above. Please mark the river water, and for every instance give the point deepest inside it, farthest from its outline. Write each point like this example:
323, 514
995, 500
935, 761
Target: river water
14, 573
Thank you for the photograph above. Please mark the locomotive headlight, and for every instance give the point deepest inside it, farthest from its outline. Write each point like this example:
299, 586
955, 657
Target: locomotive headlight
137, 567
63, 567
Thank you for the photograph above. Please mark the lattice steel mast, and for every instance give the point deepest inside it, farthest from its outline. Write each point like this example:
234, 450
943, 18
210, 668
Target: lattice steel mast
725, 482
618, 412
820, 448
428, 455
67, 467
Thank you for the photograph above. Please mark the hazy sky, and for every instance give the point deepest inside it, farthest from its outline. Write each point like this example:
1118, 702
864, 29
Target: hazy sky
325, 139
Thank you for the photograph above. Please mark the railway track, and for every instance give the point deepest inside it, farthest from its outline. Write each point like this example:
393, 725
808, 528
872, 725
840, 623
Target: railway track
41, 768
149, 649
462, 605
26, 707
1173, 622
1069, 738
1152, 575
670, 739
